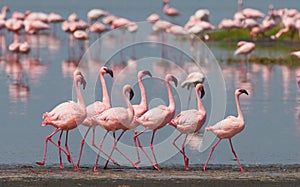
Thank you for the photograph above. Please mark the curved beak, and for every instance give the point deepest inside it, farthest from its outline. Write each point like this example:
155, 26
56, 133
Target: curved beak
83, 82
202, 93
110, 72
174, 80
131, 94
147, 73
244, 91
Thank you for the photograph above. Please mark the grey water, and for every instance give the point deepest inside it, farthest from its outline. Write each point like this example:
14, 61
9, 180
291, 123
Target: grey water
35, 83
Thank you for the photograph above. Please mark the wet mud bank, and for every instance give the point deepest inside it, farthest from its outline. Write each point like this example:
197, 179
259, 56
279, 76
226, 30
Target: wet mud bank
214, 176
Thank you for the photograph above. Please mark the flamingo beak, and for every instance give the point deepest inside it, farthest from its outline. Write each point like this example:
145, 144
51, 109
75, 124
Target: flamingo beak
174, 80
147, 73
83, 82
131, 94
244, 91
202, 93
110, 72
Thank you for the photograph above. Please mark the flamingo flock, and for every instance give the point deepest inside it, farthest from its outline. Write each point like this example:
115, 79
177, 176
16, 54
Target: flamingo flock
100, 114
68, 115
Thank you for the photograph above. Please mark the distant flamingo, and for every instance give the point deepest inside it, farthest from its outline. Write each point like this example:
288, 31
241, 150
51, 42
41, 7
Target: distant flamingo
189, 121
244, 48
139, 110
113, 119
191, 81
170, 11
158, 117
3, 13
96, 108
95, 14
64, 117
228, 128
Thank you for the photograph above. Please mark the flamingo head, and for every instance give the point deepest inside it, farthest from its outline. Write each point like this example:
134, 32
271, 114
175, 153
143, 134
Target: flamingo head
127, 88
241, 91
79, 76
105, 69
170, 77
200, 87
144, 73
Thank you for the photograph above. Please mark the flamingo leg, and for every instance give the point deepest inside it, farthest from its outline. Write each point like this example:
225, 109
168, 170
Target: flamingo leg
59, 151
237, 159
48, 138
210, 154
137, 143
182, 151
93, 138
99, 150
151, 147
69, 153
116, 148
142, 148
82, 144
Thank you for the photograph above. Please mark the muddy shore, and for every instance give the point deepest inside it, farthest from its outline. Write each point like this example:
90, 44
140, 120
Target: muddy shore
122, 177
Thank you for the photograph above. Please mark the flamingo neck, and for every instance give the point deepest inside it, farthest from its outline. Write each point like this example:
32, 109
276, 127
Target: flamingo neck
105, 96
143, 93
171, 98
237, 100
80, 99
200, 105
129, 106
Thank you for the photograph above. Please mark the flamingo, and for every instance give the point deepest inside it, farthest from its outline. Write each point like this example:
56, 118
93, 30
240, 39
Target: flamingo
189, 121
64, 117
191, 81
170, 11
96, 108
113, 119
228, 127
139, 109
244, 48
158, 117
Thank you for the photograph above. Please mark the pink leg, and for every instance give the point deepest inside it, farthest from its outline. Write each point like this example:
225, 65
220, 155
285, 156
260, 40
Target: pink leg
59, 151
48, 138
137, 143
82, 144
151, 147
116, 148
211, 152
142, 148
68, 151
238, 161
98, 154
182, 151
93, 144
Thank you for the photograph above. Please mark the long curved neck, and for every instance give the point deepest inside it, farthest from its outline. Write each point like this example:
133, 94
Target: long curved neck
129, 105
80, 99
200, 105
105, 96
238, 107
171, 99
143, 93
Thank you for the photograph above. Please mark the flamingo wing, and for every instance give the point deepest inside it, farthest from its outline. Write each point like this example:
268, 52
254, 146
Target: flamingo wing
154, 118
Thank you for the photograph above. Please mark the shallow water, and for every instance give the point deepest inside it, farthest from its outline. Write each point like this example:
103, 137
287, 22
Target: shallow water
42, 79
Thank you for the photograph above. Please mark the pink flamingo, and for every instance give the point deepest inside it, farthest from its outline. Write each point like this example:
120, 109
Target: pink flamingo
158, 117
3, 13
244, 48
139, 110
96, 108
64, 117
228, 127
170, 11
189, 121
113, 119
